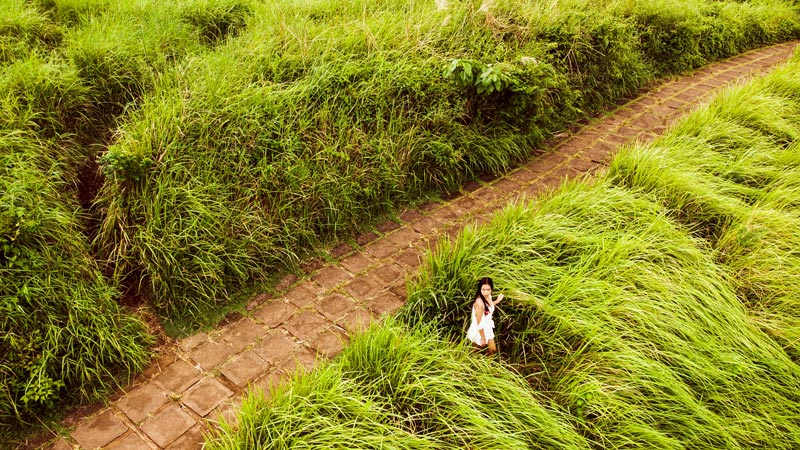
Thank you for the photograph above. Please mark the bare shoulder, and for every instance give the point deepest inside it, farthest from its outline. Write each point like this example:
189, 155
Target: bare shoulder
478, 304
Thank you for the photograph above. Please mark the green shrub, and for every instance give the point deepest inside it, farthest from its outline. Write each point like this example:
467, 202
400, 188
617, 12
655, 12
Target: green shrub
318, 115
730, 172
41, 95
74, 12
624, 318
217, 19
23, 28
370, 398
63, 337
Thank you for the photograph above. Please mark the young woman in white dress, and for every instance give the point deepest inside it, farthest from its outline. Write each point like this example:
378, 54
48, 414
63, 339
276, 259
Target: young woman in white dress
481, 329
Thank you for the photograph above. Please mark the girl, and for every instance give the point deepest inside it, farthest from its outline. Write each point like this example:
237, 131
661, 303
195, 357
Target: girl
481, 329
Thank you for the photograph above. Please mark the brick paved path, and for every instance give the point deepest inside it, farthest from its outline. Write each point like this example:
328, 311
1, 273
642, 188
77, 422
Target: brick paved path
204, 376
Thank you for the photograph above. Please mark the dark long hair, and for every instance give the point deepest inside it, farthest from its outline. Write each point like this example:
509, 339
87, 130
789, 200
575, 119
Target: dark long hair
481, 282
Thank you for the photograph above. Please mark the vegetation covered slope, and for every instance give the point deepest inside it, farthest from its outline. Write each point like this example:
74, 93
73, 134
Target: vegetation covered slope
653, 307
320, 115
179, 151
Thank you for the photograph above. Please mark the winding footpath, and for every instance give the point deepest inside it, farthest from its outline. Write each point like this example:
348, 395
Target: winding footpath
195, 381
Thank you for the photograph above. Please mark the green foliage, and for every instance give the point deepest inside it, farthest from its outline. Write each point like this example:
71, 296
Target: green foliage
234, 135
62, 336
730, 173
657, 305
22, 29
217, 19
40, 95
624, 318
370, 398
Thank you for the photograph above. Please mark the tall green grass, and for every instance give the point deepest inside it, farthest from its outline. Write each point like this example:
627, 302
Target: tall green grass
321, 114
659, 304
730, 173
625, 318
23, 28
63, 337
395, 388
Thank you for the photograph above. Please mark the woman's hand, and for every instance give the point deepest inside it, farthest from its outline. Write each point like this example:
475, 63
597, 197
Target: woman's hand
499, 299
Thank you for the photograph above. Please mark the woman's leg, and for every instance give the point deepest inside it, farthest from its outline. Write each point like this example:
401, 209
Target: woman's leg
492, 347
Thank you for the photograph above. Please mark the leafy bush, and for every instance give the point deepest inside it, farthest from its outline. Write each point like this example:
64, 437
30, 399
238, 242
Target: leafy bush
63, 338
730, 172
370, 398
278, 140
217, 19
22, 29
40, 95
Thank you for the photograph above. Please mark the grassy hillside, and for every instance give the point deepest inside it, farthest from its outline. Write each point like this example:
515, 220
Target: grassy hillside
320, 115
654, 307
178, 154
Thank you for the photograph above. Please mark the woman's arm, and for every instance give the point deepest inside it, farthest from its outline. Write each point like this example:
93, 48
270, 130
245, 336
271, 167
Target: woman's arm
499, 298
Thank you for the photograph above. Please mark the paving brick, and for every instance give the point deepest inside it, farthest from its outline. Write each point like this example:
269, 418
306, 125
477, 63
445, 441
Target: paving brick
205, 395
524, 175
276, 347
305, 325
506, 185
429, 206
330, 277
335, 306
178, 376
168, 425
445, 215
464, 205
487, 195
243, 333
212, 354
366, 238
364, 286
404, 237
426, 225
583, 165
381, 249
302, 295
400, 290
303, 360
99, 430
385, 304
409, 258
692, 95
340, 250
191, 440
329, 343
546, 163
601, 153
161, 361
387, 226
311, 265
275, 313
142, 401
388, 273
244, 368
286, 282
129, 441
192, 342
410, 215
357, 263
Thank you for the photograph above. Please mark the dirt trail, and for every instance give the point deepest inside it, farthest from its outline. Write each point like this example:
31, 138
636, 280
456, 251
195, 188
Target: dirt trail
204, 377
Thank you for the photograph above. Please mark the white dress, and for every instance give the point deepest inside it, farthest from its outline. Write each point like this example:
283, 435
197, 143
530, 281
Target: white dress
487, 325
